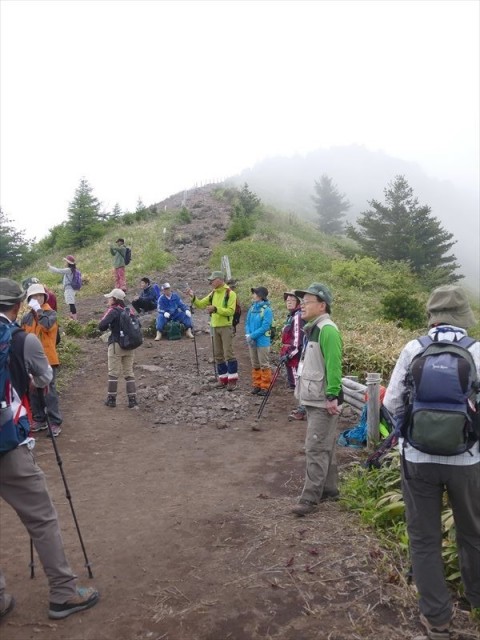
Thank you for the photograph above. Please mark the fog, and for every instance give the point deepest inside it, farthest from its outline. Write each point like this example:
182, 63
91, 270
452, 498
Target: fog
288, 182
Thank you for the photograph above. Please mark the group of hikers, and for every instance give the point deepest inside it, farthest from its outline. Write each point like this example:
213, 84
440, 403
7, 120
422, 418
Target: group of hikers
311, 350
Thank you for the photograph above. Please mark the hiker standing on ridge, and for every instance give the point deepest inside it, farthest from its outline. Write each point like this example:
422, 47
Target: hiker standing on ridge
220, 304
120, 361
425, 477
258, 326
22, 483
119, 251
41, 320
319, 389
171, 308
291, 349
68, 273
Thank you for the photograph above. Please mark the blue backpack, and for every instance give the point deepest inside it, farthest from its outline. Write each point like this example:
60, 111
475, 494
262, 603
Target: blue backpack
441, 412
77, 280
13, 428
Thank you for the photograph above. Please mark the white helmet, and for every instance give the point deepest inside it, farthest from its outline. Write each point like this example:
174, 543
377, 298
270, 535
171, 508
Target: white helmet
33, 289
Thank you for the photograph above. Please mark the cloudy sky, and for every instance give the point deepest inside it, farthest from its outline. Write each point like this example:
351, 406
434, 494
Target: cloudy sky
146, 98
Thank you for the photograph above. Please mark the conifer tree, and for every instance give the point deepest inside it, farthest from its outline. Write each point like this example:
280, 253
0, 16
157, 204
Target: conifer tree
401, 230
84, 220
15, 250
331, 206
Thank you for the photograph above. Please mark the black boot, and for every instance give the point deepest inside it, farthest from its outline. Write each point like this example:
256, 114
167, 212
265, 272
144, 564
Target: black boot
132, 402
111, 401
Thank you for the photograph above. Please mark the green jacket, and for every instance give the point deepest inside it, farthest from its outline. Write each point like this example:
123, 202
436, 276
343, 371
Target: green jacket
223, 316
118, 254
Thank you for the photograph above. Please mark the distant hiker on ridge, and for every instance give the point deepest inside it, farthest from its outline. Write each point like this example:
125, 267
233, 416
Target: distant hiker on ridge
68, 273
119, 251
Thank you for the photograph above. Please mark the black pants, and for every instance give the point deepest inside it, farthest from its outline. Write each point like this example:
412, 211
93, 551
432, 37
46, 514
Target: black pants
143, 305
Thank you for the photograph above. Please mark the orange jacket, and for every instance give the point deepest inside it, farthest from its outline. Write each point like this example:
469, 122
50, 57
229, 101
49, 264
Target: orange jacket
43, 324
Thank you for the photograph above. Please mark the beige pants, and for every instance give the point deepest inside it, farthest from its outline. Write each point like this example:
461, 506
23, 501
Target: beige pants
120, 361
223, 344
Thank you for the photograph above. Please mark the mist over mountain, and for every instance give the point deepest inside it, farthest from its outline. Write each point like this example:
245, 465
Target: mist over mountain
287, 183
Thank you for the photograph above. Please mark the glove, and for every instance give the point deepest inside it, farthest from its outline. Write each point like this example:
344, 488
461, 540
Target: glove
188, 313
166, 314
34, 304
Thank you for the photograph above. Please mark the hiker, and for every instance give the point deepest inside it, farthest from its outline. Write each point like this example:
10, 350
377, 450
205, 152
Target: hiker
51, 297
41, 320
319, 389
426, 477
68, 273
220, 304
171, 308
292, 341
258, 327
120, 361
119, 251
148, 298
22, 483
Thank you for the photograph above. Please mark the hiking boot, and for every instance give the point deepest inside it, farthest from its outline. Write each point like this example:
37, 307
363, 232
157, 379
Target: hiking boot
255, 390
440, 632
304, 508
221, 385
158, 336
86, 597
297, 415
132, 402
56, 431
9, 605
189, 333
262, 392
231, 385
38, 426
111, 401
330, 496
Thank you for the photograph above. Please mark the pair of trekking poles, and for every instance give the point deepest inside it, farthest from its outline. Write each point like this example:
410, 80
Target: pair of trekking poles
41, 395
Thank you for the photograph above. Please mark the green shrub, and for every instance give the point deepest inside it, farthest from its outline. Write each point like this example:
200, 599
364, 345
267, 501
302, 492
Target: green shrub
184, 216
404, 309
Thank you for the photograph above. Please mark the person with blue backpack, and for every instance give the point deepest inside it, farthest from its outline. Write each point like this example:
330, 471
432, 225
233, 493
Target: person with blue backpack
72, 281
148, 298
22, 482
258, 328
433, 395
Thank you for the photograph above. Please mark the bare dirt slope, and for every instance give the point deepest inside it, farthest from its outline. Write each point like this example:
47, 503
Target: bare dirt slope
184, 509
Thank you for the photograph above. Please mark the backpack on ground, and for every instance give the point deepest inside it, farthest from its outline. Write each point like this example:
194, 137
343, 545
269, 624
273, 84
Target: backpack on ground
174, 330
238, 309
128, 255
441, 417
13, 428
76, 280
131, 335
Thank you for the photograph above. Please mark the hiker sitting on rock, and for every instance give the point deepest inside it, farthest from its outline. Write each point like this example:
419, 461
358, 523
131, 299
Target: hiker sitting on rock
148, 298
172, 308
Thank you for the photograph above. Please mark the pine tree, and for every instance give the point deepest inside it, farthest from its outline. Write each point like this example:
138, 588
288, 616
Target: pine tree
248, 200
15, 250
84, 220
402, 230
331, 206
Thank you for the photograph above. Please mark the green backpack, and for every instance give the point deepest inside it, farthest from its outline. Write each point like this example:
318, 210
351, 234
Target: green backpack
174, 330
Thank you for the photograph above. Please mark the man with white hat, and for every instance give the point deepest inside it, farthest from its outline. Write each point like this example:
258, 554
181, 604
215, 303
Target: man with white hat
171, 308
426, 477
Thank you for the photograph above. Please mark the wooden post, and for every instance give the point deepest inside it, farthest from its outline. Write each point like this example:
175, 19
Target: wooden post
373, 409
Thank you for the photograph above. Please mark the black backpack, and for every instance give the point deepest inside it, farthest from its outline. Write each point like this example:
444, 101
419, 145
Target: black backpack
128, 255
441, 415
130, 336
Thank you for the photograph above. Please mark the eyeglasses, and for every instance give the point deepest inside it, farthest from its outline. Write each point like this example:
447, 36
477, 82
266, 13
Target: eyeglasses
304, 303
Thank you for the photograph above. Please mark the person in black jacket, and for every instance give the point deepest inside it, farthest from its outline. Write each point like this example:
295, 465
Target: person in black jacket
120, 361
22, 482
147, 300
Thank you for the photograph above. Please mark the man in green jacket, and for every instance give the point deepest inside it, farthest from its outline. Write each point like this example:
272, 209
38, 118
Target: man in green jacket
319, 389
119, 252
220, 304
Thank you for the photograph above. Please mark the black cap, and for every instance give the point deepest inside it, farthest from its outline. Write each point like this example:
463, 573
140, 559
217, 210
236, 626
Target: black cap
262, 292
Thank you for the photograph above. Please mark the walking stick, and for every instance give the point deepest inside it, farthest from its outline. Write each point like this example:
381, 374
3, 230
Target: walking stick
213, 354
32, 561
269, 391
41, 396
195, 344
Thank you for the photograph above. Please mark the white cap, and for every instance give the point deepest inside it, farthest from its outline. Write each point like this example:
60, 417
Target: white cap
35, 289
115, 293
166, 285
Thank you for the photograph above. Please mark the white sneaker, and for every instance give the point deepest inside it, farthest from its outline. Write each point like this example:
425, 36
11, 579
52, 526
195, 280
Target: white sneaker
158, 336
189, 333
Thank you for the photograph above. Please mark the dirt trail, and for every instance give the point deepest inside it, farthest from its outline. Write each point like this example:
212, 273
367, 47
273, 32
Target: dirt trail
184, 509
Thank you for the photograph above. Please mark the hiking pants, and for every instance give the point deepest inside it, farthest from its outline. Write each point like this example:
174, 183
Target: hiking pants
227, 366
321, 464
423, 493
120, 361
51, 402
23, 487
120, 281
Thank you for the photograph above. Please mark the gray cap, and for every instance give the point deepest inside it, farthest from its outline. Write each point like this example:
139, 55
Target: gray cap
316, 289
449, 305
216, 274
10, 292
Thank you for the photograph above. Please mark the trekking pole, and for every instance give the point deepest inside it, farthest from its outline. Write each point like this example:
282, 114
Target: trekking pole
213, 353
269, 391
195, 344
32, 561
41, 395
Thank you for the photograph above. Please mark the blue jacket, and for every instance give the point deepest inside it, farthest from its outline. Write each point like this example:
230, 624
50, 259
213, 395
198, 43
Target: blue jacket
258, 323
171, 304
150, 294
